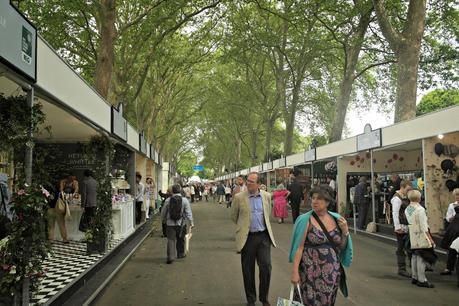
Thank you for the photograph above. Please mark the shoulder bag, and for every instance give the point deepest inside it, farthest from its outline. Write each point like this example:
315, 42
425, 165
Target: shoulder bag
342, 279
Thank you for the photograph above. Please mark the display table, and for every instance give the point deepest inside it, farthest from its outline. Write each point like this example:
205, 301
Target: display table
122, 219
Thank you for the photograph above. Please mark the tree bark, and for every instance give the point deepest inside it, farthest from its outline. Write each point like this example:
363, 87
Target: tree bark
106, 53
407, 80
268, 139
406, 46
352, 52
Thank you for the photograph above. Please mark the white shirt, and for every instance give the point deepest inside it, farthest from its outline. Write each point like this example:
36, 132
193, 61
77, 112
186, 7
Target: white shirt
140, 192
192, 190
450, 213
396, 204
227, 190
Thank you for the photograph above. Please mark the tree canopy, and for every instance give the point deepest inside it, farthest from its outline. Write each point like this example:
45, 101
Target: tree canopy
234, 83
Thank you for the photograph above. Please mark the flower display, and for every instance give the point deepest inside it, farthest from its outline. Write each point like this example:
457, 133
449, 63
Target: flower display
24, 250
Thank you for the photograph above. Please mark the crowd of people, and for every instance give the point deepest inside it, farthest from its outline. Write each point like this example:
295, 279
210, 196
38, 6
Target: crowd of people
321, 244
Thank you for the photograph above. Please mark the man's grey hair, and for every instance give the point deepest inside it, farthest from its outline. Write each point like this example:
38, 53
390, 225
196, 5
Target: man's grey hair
176, 188
257, 174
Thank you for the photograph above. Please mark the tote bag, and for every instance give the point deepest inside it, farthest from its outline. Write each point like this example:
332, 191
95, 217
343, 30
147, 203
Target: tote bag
418, 238
290, 301
61, 206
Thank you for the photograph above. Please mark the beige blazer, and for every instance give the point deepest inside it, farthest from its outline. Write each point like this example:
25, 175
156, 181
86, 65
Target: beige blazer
241, 214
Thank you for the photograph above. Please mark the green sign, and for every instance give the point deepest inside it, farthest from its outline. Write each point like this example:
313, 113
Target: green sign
18, 39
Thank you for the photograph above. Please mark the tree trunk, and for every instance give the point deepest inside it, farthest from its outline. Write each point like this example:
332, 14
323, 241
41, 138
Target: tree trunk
406, 46
407, 81
342, 103
254, 146
289, 117
352, 57
106, 54
269, 134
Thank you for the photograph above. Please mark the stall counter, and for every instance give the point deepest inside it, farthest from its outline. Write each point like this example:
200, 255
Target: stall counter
122, 218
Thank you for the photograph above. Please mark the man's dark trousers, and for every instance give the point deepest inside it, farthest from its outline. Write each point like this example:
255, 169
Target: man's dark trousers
175, 242
295, 209
257, 247
401, 251
363, 214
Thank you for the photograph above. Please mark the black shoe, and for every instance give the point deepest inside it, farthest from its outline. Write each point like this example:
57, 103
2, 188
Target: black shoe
446, 272
425, 285
181, 256
414, 281
404, 273
169, 261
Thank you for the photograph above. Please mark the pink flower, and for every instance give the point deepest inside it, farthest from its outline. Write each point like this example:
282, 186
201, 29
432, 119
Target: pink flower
21, 192
45, 192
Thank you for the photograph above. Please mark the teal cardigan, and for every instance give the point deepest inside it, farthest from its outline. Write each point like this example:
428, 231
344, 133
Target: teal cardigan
301, 225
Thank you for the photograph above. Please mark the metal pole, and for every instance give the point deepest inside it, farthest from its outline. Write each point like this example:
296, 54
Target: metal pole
312, 174
29, 143
355, 219
373, 201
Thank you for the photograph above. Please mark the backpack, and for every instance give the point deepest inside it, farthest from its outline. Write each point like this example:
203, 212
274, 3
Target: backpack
401, 212
175, 207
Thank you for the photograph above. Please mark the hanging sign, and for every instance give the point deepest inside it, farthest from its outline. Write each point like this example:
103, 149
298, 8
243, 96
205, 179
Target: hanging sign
310, 155
18, 37
198, 168
370, 139
282, 162
142, 143
119, 124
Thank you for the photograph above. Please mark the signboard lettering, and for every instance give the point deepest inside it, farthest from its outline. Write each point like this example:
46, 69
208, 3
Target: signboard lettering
370, 139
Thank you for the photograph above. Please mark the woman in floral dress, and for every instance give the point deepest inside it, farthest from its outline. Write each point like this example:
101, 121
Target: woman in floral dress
316, 266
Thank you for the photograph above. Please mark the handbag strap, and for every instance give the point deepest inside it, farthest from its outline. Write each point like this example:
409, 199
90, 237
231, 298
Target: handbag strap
292, 288
324, 229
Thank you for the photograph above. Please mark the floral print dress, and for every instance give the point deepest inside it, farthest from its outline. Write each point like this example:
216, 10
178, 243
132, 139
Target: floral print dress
319, 269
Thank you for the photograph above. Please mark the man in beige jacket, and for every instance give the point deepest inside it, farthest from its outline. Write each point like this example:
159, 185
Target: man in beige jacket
251, 210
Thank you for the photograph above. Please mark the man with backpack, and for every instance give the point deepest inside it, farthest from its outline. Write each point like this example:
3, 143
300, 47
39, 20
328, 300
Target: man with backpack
177, 215
399, 203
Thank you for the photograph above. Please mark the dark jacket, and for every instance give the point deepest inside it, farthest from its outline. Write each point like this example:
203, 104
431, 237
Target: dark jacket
452, 232
220, 190
296, 192
360, 192
88, 191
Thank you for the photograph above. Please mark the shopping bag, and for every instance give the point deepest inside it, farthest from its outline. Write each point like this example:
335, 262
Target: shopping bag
61, 204
84, 222
290, 301
187, 242
68, 216
455, 245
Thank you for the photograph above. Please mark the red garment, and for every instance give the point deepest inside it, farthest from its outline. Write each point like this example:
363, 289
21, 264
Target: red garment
280, 203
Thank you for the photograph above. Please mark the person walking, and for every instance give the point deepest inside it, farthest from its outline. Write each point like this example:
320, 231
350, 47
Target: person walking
149, 195
177, 215
89, 195
240, 186
254, 237
192, 193
296, 196
221, 193
362, 201
228, 195
206, 192
399, 203
320, 245
280, 196
417, 219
